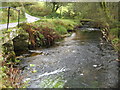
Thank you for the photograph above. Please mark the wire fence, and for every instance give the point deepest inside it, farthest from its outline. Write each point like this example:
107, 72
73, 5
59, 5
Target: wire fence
8, 16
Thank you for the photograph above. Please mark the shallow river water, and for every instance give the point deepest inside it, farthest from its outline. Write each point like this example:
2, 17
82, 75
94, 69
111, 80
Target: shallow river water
83, 60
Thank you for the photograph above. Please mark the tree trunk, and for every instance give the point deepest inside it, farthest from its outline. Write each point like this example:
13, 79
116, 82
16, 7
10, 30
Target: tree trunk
53, 9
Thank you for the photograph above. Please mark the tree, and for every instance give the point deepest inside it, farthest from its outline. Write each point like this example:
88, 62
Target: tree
57, 5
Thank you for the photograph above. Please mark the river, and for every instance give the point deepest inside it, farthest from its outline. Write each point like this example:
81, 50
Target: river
83, 60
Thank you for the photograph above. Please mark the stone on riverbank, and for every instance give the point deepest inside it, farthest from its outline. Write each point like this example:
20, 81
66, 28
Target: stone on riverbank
20, 44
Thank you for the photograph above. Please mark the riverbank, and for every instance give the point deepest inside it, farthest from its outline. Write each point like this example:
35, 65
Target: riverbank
45, 32
9, 72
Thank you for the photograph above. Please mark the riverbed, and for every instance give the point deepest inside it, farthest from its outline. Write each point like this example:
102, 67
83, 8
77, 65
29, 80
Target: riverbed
83, 60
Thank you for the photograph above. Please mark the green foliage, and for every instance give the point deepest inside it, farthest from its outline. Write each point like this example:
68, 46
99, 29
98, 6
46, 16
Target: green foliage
11, 4
47, 31
38, 10
114, 31
61, 29
32, 65
41, 36
59, 25
3, 74
7, 73
116, 43
34, 71
53, 15
115, 40
57, 82
13, 15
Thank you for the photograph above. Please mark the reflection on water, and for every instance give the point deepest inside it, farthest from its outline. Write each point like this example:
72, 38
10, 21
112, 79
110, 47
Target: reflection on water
88, 61
88, 36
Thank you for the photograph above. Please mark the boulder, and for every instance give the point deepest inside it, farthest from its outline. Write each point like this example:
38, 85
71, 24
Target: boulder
20, 44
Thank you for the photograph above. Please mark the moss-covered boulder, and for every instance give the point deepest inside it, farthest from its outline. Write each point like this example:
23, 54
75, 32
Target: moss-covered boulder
20, 44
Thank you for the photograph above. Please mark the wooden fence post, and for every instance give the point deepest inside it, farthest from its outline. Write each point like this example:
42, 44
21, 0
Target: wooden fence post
8, 17
18, 17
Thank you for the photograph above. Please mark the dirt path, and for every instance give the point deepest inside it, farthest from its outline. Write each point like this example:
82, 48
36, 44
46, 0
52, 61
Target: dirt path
30, 19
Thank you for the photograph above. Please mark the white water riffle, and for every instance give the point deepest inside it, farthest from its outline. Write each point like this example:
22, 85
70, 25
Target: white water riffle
89, 29
71, 37
51, 73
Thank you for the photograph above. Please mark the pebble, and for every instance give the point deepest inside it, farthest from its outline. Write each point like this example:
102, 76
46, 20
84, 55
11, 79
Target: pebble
73, 51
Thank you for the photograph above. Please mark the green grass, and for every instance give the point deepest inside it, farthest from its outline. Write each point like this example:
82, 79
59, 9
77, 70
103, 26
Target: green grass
48, 31
13, 21
114, 38
59, 25
13, 15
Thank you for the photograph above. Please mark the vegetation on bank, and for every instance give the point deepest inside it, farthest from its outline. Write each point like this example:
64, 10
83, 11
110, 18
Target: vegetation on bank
46, 31
9, 74
114, 37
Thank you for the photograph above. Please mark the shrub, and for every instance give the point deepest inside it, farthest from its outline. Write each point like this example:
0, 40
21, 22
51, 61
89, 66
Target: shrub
61, 29
40, 36
49, 36
114, 31
46, 31
37, 10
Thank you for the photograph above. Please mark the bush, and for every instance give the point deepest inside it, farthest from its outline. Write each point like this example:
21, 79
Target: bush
46, 31
48, 36
53, 15
114, 31
67, 23
61, 29
11, 4
39, 35
37, 10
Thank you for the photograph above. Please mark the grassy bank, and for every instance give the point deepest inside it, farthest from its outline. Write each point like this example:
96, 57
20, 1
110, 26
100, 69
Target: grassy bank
59, 25
13, 21
115, 40
112, 32
46, 31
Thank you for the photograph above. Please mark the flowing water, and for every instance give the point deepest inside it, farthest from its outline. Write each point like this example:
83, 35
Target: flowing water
83, 60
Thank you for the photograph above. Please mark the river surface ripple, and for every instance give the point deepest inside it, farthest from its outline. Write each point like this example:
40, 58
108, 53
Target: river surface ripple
83, 60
